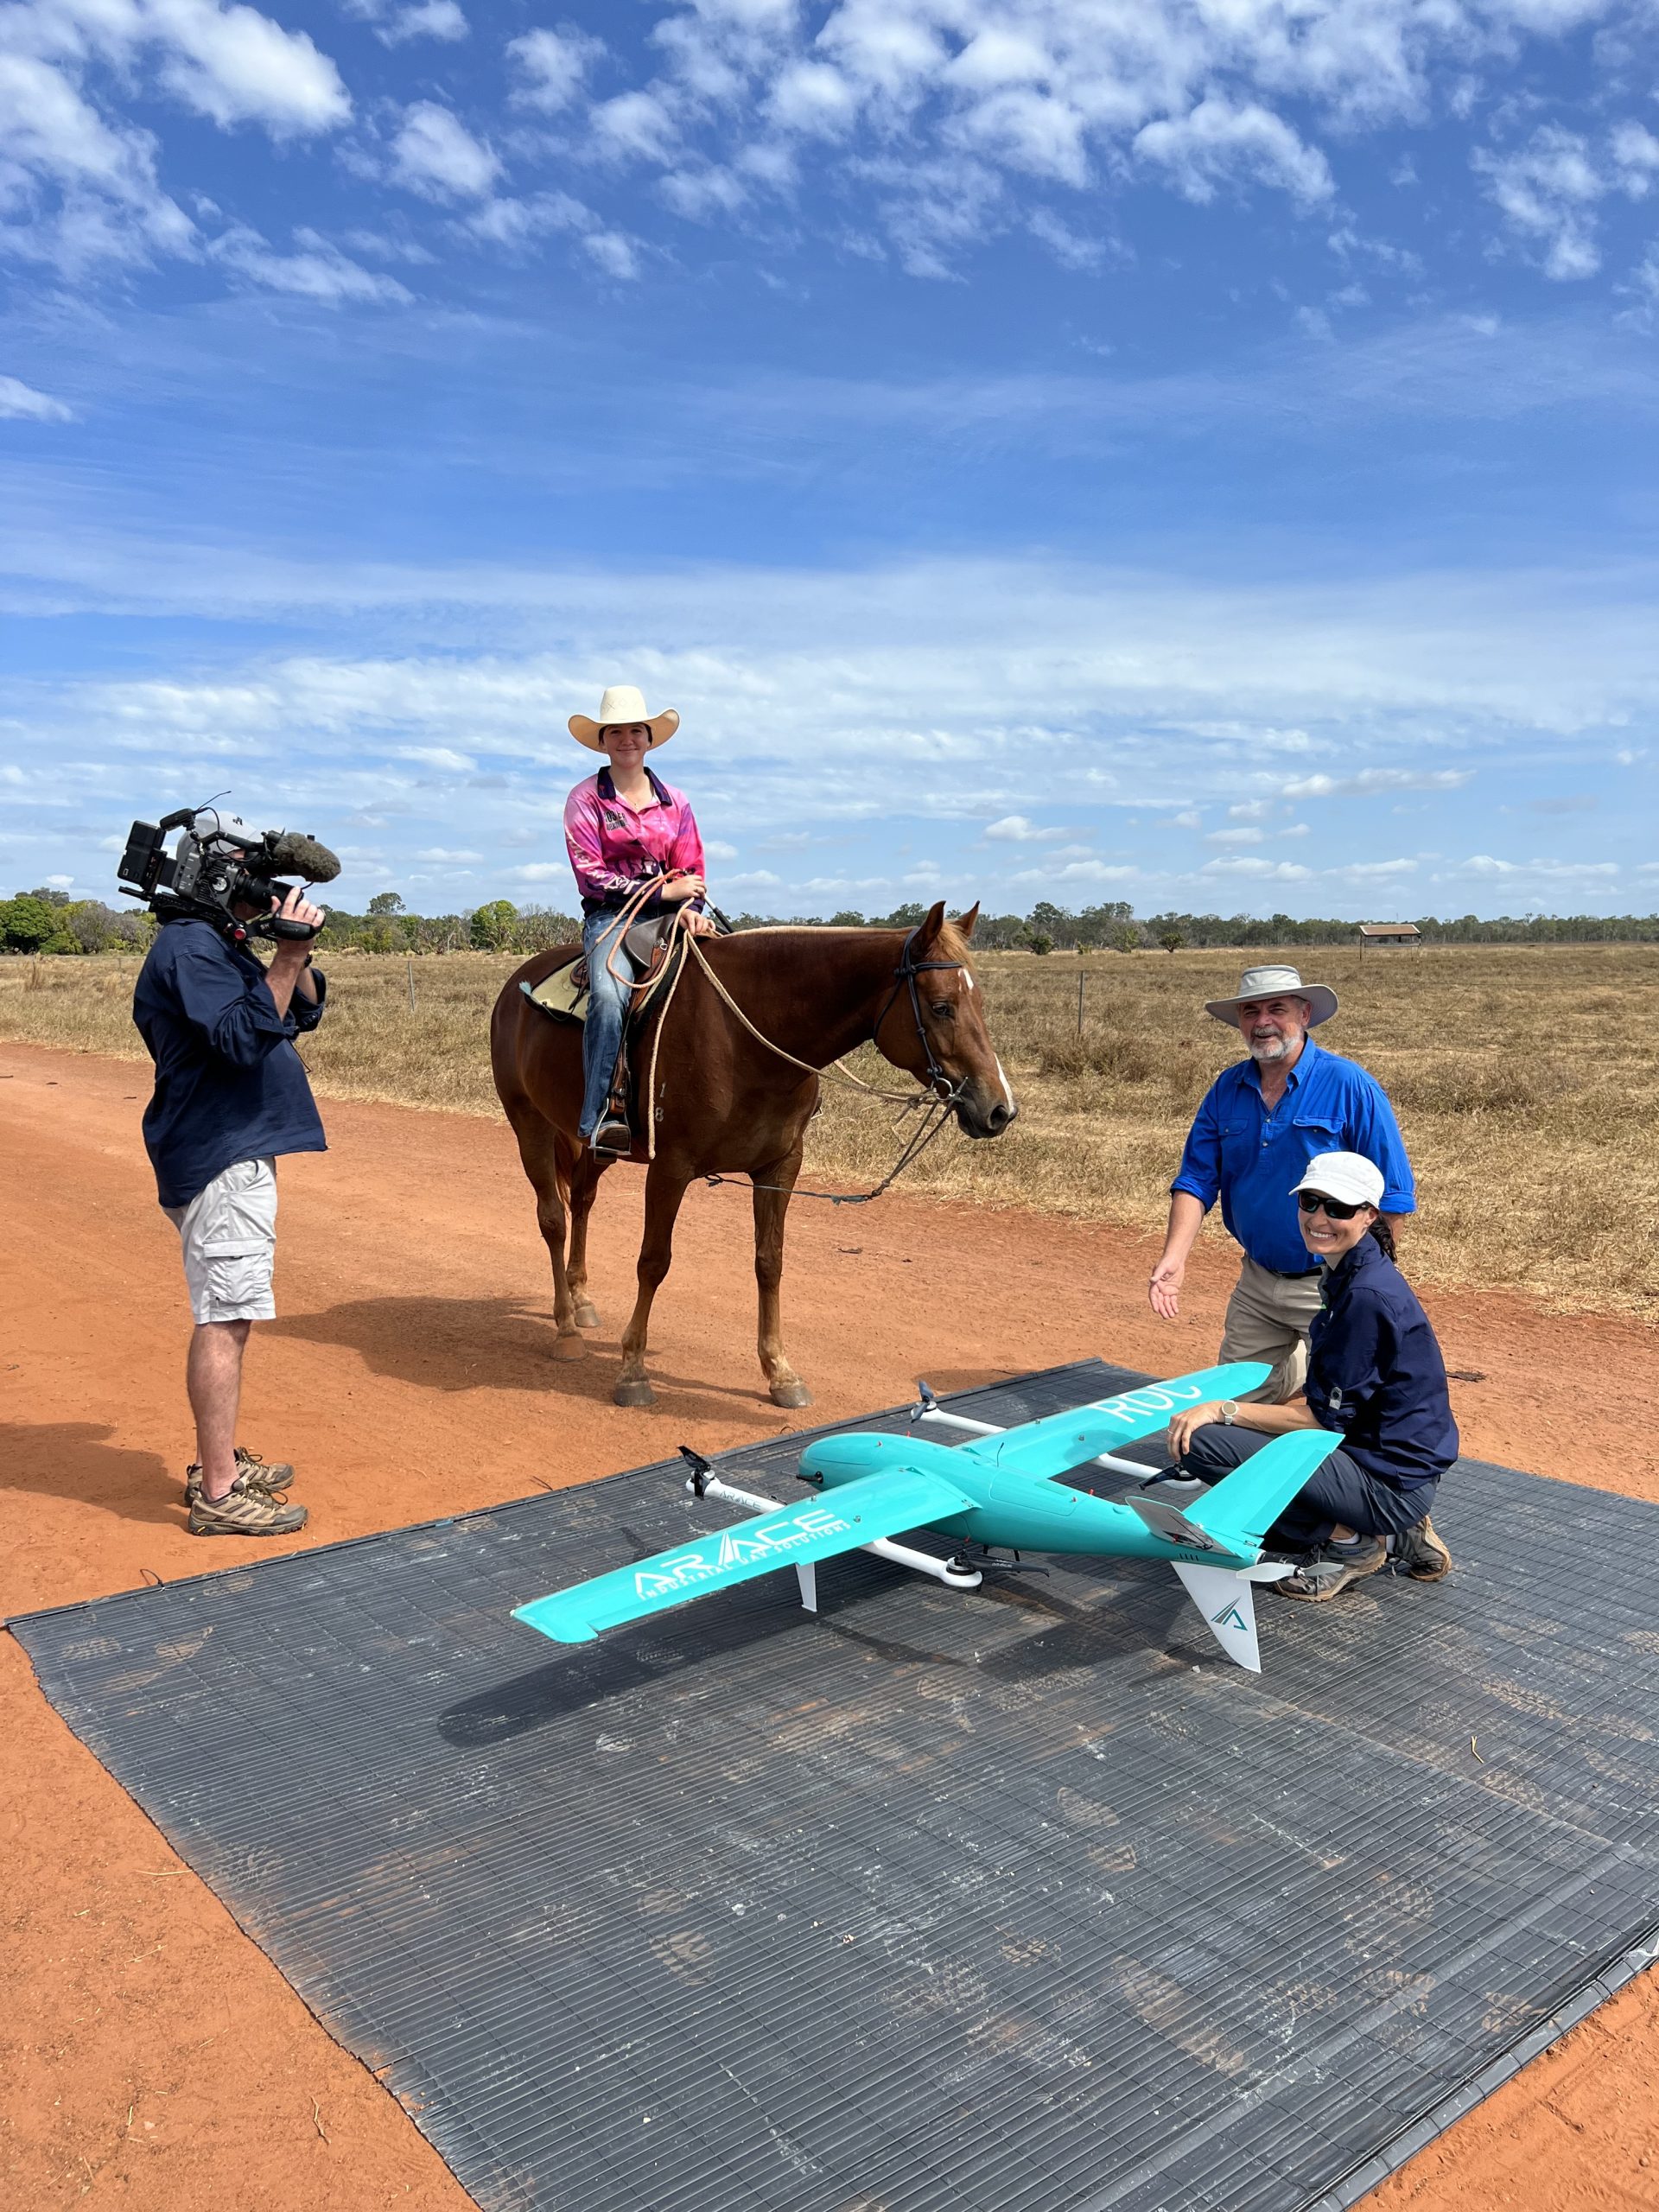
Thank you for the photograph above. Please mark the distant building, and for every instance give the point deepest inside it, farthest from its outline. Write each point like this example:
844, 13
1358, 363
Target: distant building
1373, 935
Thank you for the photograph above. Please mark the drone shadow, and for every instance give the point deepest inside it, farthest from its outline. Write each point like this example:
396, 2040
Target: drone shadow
1040, 1631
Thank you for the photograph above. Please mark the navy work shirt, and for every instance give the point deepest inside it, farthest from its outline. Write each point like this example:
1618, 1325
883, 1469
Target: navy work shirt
229, 1084
1253, 1160
1375, 1373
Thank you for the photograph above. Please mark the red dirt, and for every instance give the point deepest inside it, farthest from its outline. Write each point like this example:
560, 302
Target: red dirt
151, 2051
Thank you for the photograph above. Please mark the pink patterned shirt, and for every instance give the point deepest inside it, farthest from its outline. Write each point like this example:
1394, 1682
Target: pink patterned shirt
613, 849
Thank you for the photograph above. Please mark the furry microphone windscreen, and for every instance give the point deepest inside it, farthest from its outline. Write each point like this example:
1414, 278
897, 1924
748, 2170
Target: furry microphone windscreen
293, 852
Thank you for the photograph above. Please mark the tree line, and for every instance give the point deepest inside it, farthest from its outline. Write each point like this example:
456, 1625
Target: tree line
47, 921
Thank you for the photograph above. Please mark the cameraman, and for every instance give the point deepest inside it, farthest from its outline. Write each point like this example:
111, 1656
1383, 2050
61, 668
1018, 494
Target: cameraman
231, 1093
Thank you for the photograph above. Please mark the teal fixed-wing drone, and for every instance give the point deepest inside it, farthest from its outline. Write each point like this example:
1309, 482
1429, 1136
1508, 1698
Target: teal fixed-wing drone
999, 1492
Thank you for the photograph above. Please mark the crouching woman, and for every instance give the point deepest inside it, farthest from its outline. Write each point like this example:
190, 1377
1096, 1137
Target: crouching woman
1375, 1378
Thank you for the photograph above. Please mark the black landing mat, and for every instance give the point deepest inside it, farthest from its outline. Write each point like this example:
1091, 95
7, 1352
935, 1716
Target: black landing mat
1005, 1901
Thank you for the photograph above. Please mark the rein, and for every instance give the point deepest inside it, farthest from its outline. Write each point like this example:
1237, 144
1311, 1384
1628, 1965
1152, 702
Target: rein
938, 1095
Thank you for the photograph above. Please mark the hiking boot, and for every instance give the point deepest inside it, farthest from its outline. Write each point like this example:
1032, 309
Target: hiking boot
244, 1512
252, 1473
1329, 1569
1419, 1552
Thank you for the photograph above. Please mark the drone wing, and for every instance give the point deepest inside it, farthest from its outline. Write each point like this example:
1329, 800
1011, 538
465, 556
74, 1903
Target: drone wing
1064, 1441
793, 1535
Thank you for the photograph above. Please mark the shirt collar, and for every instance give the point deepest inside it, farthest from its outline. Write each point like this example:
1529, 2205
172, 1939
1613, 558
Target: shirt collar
1362, 1255
604, 784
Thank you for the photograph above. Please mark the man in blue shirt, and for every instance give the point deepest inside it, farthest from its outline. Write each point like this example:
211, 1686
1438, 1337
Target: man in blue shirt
231, 1094
1261, 1122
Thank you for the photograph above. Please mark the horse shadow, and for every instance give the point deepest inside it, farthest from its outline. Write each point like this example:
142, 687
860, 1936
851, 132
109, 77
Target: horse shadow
70, 1459
454, 1344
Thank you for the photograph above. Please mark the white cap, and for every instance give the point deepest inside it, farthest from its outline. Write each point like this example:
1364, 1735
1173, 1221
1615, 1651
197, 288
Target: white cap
1348, 1177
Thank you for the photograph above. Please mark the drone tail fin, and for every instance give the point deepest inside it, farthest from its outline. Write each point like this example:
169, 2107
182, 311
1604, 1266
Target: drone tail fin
1243, 1506
1227, 1604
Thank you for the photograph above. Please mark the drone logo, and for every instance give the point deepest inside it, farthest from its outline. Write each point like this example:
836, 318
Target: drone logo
1230, 1617
669, 1576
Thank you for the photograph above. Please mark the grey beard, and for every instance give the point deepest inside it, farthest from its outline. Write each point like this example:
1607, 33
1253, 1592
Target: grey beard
1272, 1048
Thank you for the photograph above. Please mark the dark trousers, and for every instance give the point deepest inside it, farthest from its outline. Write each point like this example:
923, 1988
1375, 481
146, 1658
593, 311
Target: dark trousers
1338, 1490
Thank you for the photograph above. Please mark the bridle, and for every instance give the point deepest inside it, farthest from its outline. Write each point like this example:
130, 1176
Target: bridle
935, 1078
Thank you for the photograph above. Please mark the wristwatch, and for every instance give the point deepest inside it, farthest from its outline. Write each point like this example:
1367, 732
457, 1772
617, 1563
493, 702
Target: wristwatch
1229, 1411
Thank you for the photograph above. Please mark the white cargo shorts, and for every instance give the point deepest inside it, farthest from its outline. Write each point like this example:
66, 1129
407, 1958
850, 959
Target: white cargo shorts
229, 1234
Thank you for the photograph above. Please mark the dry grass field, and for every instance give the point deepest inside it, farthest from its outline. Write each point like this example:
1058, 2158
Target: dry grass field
1526, 1079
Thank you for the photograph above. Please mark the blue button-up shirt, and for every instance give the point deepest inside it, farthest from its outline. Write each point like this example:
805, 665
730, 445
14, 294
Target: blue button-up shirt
1375, 1373
229, 1084
1252, 1160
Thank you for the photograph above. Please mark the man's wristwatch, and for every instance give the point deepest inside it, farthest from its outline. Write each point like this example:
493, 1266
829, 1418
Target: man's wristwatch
1229, 1411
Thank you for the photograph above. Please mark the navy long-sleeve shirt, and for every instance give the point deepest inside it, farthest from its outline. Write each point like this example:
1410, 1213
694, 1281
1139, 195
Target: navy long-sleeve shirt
1252, 1160
229, 1084
1375, 1373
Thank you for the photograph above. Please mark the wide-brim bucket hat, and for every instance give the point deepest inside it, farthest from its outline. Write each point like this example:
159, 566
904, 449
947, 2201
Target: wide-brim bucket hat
1275, 983
623, 703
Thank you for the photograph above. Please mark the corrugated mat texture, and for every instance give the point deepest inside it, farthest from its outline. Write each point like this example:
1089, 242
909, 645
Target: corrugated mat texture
1005, 1901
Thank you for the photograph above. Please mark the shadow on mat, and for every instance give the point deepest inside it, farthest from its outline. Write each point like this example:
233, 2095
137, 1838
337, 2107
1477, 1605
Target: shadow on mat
495, 1343
1034, 1633
71, 1459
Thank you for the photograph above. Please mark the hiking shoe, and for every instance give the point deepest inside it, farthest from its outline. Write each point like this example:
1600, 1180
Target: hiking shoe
252, 1473
1419, 1552
1329, 1569
244, 1513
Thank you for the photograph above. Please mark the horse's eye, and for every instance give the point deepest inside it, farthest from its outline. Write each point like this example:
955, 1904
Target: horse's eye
943, 1009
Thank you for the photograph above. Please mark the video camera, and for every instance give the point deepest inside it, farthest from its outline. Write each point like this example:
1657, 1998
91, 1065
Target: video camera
219, 864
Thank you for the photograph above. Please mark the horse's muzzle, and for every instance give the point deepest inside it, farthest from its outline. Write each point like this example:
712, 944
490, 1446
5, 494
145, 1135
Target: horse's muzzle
983, 1112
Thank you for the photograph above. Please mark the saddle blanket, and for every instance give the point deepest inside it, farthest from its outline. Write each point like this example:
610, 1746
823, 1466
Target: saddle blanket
564, 994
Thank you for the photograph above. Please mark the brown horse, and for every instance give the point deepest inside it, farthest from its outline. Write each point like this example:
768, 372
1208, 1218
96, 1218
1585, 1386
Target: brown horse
725, 1104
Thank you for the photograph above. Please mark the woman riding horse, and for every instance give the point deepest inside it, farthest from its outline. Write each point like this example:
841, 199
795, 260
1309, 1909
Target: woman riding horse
624, 828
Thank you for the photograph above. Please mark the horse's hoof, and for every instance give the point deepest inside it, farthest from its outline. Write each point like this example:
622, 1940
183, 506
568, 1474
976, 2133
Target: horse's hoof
634, 1394
791, 1393
587, 1315
569, 1347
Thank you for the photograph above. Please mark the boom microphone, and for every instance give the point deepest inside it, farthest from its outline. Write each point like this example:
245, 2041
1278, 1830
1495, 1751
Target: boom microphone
290, 851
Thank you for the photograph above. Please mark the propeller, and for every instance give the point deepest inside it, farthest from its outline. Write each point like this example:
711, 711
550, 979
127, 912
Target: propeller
700, 1469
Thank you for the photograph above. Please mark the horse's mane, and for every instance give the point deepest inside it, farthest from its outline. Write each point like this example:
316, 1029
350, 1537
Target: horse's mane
949, 942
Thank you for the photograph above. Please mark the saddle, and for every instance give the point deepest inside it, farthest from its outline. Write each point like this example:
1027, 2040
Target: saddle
652, 951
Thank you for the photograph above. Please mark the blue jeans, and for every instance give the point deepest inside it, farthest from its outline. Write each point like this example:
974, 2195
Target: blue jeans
1338, 1490
607, 1006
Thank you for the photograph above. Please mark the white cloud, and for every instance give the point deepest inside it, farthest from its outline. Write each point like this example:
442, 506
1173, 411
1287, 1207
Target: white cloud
23, 403
634, 126
1246, 836
1215, 144
1015, 830
317, 270
552, 66
1484, 864
714, 849
435, 154
443, 854
1371, 780
1549, 191
1250, 810
395, 25
1372, 871
1259, 870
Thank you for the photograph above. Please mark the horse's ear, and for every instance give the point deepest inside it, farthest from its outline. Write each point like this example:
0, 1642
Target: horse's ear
965, 921
930, 926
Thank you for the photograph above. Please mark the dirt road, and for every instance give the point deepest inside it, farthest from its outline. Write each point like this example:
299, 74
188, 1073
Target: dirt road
151, 2052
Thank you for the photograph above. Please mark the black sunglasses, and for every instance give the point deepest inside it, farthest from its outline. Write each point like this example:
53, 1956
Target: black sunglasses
1316, 1202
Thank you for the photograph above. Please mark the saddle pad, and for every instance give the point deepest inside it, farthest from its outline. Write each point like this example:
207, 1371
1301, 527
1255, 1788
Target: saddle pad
559, 993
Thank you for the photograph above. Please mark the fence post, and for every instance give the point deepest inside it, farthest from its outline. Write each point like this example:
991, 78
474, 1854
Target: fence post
1082, 972
411, 983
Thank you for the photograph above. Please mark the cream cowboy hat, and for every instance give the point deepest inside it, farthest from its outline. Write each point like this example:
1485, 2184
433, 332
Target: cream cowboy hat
1275, 983
622, 704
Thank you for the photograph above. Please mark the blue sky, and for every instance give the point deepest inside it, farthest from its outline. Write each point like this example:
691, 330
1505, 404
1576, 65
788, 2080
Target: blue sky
1198, 454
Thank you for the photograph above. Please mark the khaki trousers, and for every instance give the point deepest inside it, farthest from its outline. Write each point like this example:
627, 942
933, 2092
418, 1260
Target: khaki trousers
1268, 1318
